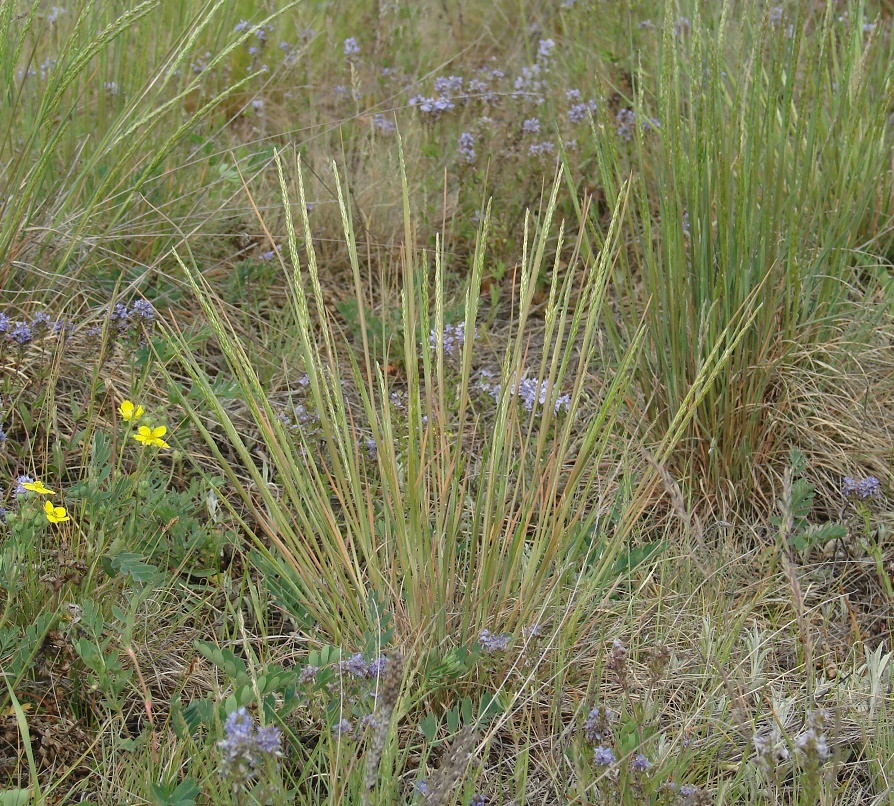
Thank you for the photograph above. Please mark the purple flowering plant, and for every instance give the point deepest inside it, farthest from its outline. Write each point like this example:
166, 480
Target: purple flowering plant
249, 754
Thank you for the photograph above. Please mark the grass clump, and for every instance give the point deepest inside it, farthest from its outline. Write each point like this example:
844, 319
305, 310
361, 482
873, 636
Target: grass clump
761, 194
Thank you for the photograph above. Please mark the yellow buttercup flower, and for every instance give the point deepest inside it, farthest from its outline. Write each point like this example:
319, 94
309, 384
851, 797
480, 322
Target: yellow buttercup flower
129, 411
55, 514
151, 436
37, 487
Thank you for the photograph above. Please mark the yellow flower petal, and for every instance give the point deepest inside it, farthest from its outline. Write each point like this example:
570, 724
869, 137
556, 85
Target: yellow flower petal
152, 436
129, 411
37, 487
144, 434
55, 514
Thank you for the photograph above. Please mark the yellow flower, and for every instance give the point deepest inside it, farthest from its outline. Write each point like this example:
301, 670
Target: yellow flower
55, 514
151, 436
37, 487
129, 411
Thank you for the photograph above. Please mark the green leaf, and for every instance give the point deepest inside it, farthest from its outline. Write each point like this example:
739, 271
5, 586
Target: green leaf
198, 712
489, 707
14, 797
231, 665
429, 725
797, 462
449, 668
466, 710
182, 795
131, 565
452, 717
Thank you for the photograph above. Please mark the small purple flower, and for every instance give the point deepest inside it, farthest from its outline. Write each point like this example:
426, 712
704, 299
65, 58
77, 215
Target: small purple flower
486, 384
244, 749
3, 437
383, 124
640, 763
531, 393
690, 794
578, 113
372, 449
352, 49
308, 674
64, 328
531, 126
421, 786
529, 83
432, 108
448, 85
454, 338
478, 800
466, 147
21, 334
813, 745
5, 324
241, 26
342, 727
121, 317
865, 488
532, 632
603, 756
269, 740
41, 323
598, 724
355, 666
626, 119
377, 666
238, 748
480, 89
142, 309
543, 149
239, 726
490, 643
545, 49
573, 96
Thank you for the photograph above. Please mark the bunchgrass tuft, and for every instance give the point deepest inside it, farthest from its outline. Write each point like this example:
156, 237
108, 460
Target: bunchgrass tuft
755, 192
